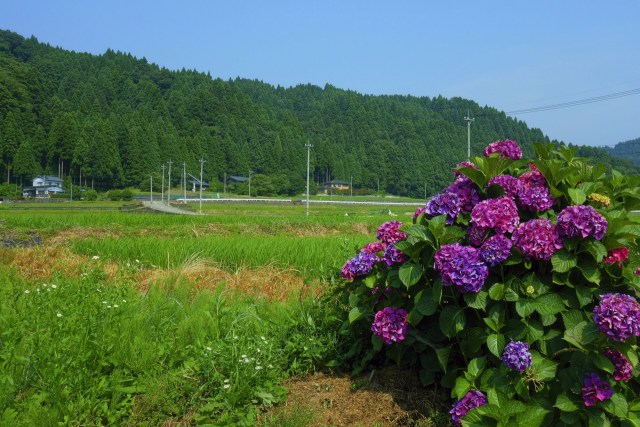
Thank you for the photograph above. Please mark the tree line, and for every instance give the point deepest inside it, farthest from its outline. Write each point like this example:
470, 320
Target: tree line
112, 120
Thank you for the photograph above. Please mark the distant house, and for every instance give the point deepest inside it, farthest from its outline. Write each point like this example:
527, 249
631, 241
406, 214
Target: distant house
43, 186
196, 184
334, 185
234, 180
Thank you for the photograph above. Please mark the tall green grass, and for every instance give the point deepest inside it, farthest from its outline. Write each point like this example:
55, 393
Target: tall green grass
84, 352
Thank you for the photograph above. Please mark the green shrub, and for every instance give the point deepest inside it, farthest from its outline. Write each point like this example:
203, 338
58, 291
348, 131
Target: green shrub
507, 323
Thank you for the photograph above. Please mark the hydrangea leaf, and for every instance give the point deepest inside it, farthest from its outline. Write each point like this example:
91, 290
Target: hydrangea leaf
564, 403
596, 249
461, 388
562, 261
532, 417
581, 334
548, 304
421, 233
452, 320
425, 303
496, 292
590, 271
410, 273
495, 344
525, 307
616, 406
355, 314
476, 300
543, 369
577, 196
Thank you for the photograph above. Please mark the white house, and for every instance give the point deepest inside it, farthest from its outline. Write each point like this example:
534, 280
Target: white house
43, 186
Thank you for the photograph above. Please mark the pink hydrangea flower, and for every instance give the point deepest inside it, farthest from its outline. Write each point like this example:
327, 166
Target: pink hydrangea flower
389, 233
499, 214
537, 239
619, 256
390, 325
507, 148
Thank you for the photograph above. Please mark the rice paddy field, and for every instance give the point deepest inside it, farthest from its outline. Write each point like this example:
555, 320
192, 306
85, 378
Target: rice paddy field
140, 319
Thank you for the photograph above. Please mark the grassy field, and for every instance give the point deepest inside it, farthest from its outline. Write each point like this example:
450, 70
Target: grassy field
145, 320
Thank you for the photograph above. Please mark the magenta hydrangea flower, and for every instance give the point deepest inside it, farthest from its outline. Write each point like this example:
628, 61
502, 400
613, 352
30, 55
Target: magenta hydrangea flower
467, 192
446, 203
618, 255
617, 316
390, 325
510, 184
471, 400
537, 239
536, 199
594, 389
476, 234
500, 214
516, 356
359, 265
457, 173
533, 178
623, 368
389, 233
419, 211
507, 148
393, 256
581, 220
374, 247
496, 249
461, 266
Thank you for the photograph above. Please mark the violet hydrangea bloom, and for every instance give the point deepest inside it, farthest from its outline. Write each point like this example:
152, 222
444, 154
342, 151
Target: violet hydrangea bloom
537, 239
467, 192
359, 265
419, 211
390, 324
623, 368
581, 220
374, 247
507, 148
500, 214
533, 178
594, 389
617, 316
476, 234
446, 203
496, 249
471, 400
510, 184
389, 233
461, 266
536, 199
393, 256
516, 356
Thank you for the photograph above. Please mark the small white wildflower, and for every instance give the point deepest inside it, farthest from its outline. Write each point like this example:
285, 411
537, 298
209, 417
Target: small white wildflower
235, 337
124, 300
226, 381
26, 291
95, 257
54, 286
45, 285
263, 338
226, 386
258, 350
48, 289
246, 360
138, 261
59, 314
258, 367
104, 302
244, 356
270, 366
209, 349
128, 264
110, 307
37, 289
115, 306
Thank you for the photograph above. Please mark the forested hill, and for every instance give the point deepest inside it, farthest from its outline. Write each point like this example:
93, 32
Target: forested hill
114, 120
628, 150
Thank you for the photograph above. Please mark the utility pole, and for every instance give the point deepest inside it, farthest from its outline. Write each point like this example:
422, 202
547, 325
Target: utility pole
184, 180
469, 119
250, 172
201, 166
308, 157
169, 184
351, 186
151, 192
162, 192
224, 186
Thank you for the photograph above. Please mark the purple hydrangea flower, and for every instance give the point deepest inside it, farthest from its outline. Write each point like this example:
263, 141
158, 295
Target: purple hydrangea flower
536, 199
446, 203
617, 316
537, 239
510, 184
471, 400
594, 389
389, 233
390, 324
393, 256
461, 266
533, 178
507, 148
500, 214
476, 234
516, 356
581, 220
374, 247
623, 369
496, 249
359, 265
467, 192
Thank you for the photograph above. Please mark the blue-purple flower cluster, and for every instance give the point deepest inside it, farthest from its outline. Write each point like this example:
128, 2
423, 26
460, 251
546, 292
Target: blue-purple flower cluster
516, 356
390, 325
623, 369
581, 220
471, 400
618, 316
537, 239
393, 256
446, 203
496, 249
359, 265
461, 266
595, 390
507, 148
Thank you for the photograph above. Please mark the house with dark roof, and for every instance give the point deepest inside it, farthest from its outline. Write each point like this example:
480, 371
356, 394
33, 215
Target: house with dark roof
43, 186
334, 185
196, 184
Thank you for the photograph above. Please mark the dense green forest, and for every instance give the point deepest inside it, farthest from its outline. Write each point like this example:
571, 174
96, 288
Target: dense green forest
628, 150
112, 121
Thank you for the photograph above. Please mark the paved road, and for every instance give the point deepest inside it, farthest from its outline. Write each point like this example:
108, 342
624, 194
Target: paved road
163, 207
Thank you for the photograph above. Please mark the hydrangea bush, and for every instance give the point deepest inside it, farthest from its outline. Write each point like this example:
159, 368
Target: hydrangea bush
515, 288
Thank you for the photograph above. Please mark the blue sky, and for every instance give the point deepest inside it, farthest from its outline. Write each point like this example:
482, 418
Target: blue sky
510, 55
